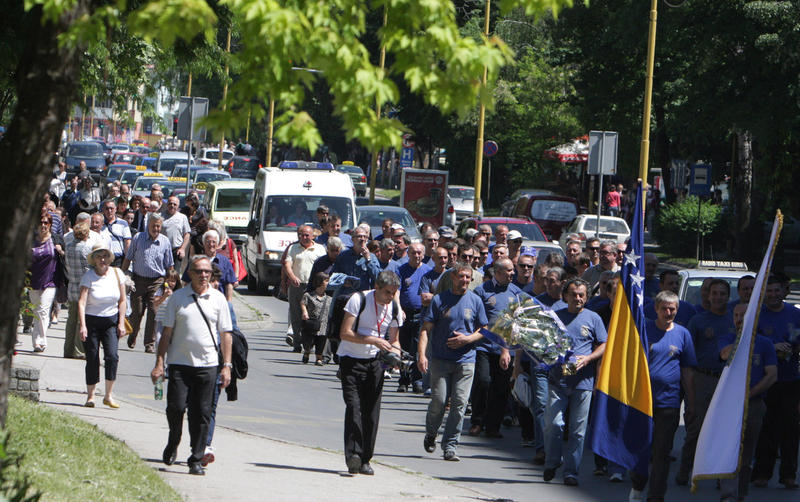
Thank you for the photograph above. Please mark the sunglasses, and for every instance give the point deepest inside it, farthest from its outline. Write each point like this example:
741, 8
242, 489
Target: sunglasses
593, 249
466, 256
523, 265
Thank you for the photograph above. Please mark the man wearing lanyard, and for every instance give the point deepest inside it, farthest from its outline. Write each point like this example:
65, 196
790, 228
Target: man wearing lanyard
366, 331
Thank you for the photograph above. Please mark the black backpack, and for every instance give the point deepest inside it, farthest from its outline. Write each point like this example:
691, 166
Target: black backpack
338, 313
239, 351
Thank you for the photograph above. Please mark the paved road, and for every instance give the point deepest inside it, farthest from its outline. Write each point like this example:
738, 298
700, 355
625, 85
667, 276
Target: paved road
287, 400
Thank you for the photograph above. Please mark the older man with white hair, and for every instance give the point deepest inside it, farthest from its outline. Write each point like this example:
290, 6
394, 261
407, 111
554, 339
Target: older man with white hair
297, 265
151, 255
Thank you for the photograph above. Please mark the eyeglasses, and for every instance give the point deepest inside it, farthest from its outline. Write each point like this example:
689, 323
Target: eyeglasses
44, 222
431, 240
525, 266
484, 253
593, 249
608, 252
465, 256
485, 233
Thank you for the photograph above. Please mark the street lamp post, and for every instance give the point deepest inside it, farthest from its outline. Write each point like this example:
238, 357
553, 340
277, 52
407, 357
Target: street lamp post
479, 143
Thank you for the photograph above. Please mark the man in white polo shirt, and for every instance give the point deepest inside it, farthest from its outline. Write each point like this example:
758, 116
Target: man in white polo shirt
298, 263
197, 326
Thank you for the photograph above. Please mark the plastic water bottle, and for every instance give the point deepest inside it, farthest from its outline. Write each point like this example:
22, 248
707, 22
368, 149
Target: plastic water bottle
158, 389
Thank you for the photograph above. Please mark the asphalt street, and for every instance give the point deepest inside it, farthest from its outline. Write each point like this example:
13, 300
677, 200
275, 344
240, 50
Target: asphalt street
286, 400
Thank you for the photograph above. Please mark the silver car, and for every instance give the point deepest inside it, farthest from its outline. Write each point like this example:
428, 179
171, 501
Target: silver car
462, 199
692, 279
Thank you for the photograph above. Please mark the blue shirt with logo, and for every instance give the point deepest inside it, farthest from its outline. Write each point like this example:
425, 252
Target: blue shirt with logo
449, 313
685, 311
763, 356
783, 326
409, 285
550, 302
706, 329
669, 351
586, 331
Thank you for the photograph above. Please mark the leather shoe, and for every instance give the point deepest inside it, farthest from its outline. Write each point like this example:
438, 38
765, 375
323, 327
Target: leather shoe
475, 430
429, 443
131, 342
353, 464
196, 469
549, 474
366, 469
170, 452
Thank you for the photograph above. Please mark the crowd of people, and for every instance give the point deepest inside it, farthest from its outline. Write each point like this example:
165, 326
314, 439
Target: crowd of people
353, 299
447, 288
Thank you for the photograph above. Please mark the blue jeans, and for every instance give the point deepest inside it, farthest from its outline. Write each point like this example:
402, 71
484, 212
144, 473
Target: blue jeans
455, 379
578, 402
213, 421
539, 387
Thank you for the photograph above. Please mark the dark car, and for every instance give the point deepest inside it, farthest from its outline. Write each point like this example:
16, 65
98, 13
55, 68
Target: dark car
530, 231
90, 152
507, 207
243, 166
552, 212
113, 172
357, 175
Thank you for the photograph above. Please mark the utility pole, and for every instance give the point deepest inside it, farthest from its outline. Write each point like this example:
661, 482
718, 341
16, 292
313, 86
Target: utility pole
481, 119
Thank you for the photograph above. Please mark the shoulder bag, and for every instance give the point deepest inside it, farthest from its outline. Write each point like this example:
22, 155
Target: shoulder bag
210, 331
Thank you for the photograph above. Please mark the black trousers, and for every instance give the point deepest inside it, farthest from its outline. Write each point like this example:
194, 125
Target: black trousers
193, 388
409, 339
313, 340
524, 414
362, 387
101, 330
779, 433
665, 423
490, 391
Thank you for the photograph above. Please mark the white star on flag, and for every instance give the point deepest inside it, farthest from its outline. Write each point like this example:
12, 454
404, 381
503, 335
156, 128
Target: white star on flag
631, 258
640, 298
637, 279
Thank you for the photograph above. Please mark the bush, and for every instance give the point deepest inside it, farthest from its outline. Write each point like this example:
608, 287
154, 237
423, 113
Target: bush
676, 226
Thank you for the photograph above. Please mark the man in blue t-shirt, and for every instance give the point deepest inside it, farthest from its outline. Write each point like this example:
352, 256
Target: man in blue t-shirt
744, 288
553, 283
763, 374
588, 338
452, 323
429, 282
410, 274
670, 358
780, 322
490, 387
669, 280
706, 328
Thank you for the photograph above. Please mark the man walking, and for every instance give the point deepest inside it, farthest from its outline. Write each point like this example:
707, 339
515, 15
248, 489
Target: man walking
410, 274
608, 261
197, 332
297, 265
116, 231
151, 255
358, 261
572, 389
452, 323
176, 228
368, 328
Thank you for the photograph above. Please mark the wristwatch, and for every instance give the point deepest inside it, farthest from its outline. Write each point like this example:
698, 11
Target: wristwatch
228, 365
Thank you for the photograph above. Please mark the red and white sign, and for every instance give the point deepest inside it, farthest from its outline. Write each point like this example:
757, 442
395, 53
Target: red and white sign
407, 141
423, 192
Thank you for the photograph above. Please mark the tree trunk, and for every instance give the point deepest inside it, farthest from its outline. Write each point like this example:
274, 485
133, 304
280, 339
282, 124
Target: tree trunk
742, 193
46, 81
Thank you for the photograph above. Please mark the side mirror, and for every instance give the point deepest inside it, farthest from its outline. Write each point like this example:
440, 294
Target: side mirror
252, 228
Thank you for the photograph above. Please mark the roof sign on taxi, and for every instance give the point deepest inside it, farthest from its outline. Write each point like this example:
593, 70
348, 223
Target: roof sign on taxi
141, 168
176, 178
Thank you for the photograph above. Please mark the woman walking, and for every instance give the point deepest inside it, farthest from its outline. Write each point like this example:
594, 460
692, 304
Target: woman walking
43, 278
101, 315
315, 307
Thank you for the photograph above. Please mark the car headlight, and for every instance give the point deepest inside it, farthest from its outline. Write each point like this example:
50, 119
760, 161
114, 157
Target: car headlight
273, 255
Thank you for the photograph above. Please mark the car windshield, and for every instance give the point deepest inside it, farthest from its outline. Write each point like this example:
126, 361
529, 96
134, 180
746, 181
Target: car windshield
167, 187
544, 252
129, 177
169, 164
692, 294
150, 162
208, 177
145, 182
556, 210
529, 231
180, 171
286, 212
375, 217
214, 154
245, 163
115, 171
461, 193
233, 199
85, 150
606, 225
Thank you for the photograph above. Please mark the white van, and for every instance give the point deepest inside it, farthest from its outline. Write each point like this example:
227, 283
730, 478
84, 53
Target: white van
229, 201
210, 156
168, 159
285, 197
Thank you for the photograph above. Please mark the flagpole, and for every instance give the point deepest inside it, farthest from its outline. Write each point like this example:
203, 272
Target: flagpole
648, 93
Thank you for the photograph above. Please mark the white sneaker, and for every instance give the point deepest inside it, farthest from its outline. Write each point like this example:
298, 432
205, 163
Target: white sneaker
387, 375
635, 495
615, 477
208, 457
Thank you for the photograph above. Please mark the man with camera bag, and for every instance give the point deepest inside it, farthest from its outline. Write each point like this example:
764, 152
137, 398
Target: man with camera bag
370, 326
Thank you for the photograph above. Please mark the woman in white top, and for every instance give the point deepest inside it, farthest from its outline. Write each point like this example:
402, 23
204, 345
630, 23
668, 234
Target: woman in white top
101, 300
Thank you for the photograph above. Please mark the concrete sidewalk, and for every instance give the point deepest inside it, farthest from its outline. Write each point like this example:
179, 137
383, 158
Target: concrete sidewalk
247, 467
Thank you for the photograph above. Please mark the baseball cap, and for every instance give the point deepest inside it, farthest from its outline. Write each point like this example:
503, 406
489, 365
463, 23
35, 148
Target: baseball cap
446, 232
514, 235
528, 250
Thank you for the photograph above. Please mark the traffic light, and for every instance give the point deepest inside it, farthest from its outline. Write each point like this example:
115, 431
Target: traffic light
174, 126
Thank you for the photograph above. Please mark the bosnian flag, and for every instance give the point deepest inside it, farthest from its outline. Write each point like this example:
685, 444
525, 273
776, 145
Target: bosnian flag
622, 419
720, 442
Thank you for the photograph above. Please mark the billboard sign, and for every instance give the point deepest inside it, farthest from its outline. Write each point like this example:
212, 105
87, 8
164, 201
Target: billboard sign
423, 193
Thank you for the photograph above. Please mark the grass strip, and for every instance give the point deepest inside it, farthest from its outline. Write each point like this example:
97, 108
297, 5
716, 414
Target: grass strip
68, 459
